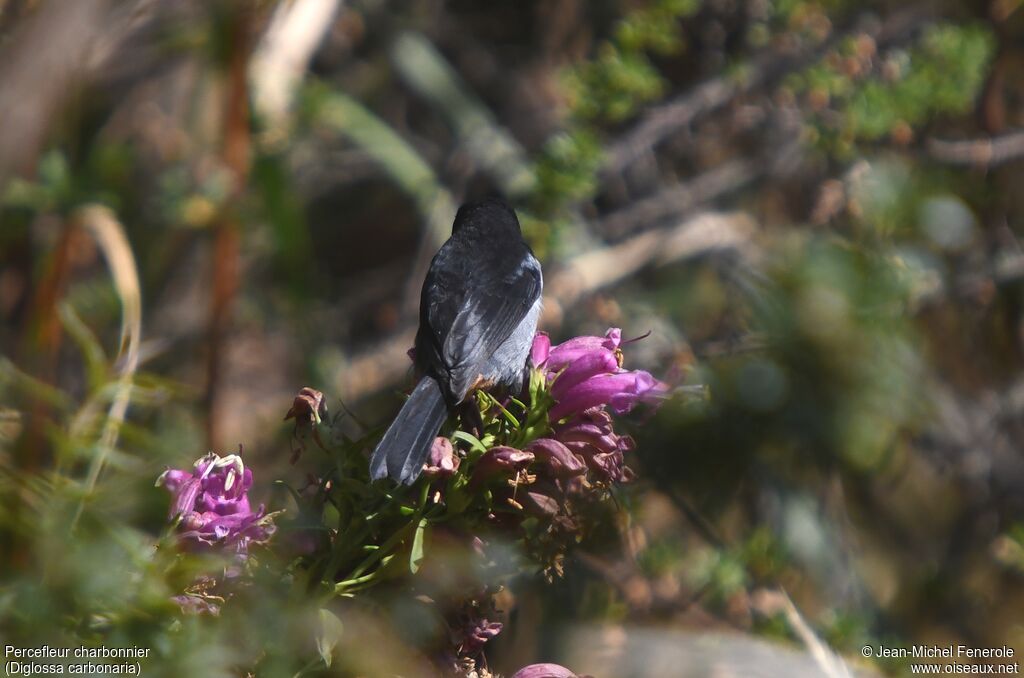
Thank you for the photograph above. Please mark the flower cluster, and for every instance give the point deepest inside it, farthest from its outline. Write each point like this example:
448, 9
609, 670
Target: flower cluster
212, 502
531, 470
585, 378
586, 372
577, 386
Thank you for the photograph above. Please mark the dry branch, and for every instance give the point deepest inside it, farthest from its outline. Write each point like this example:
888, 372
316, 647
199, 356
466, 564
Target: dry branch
681, 198
979, 152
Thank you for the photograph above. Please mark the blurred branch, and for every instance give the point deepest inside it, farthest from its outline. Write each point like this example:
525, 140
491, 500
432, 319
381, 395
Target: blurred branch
828, 661
662, 121
39, 70
492, 147
702, 234
972, 286
112, 241
41, 342
235, 156
372, 370
405, 166
979, 152
681, 198
282, 57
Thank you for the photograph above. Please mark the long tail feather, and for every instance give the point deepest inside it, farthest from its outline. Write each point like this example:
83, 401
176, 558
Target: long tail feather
406, 444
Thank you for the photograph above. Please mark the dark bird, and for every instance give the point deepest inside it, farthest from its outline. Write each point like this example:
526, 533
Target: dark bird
478, 313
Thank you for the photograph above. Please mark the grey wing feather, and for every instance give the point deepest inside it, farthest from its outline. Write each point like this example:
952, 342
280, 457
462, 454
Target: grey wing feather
484, 321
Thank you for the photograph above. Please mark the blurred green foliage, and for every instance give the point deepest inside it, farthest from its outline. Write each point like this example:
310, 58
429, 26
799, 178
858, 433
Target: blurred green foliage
858, 97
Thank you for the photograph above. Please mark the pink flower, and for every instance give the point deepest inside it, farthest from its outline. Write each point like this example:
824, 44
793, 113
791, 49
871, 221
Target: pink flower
212, 503
621, 391
442, 461
501, 460
560, 461
591, 436
587, 372
554, 359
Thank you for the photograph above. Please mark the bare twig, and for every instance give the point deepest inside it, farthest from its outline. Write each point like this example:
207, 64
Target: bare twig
604, 266
681, 198
979, 152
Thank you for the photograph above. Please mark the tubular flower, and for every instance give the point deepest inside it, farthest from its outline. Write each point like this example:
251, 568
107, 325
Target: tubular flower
442, 461
477, 632
212, 503
591, 436
473, 625
560, 461
501, 460
586, 372
555, 358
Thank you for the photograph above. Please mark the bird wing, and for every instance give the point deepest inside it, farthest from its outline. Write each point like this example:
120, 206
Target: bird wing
479, 320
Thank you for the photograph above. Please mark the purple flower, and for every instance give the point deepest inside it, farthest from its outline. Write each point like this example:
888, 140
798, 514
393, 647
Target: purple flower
442, 461
621, 391
472, 626
212, 503
598, 362
542, 498
587, 372
309, 411
540, 349
500, 460
477, 632
544, 671
308, 408
591, 436
560, 461
554, 359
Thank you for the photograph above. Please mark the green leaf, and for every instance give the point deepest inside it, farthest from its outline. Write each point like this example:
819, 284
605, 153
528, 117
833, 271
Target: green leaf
488, 401
471, 440
538, 382
416, 554
509, 417
95, 358
328, 635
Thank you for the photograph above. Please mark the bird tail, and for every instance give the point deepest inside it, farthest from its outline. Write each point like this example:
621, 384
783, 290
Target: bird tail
403, 449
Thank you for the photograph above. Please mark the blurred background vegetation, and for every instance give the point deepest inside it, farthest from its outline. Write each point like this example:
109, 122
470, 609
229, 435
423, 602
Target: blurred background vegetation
812, 205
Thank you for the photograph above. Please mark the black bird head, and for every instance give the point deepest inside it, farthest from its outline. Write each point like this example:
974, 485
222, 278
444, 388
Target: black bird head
488, 215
